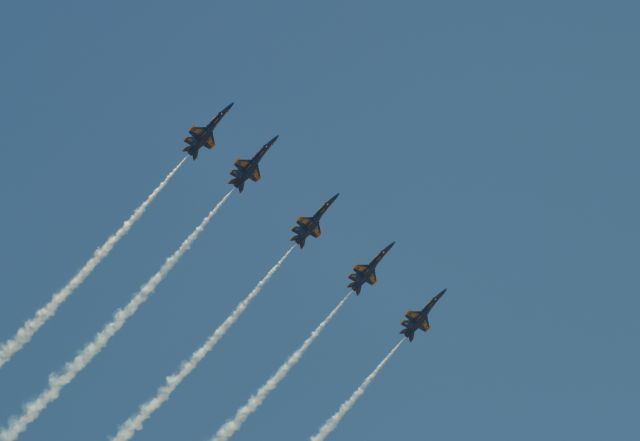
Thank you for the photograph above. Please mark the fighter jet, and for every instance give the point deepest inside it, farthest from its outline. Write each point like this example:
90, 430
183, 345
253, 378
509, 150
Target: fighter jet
203, 136
419, 319
310, 225
248, 169
367, 273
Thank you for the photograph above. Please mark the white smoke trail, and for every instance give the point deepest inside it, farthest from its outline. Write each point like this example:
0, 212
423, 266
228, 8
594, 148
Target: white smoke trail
134, 424
230, 427
333, 422
31, 326
57, 381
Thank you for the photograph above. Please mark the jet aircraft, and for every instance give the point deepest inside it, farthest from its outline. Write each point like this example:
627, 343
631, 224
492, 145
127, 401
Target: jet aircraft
248, 169
310, 225
419, 319
203, 136
367, 273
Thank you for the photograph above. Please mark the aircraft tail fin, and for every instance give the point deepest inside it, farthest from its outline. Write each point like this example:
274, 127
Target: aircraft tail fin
408, 333
356, 287
193, 151
299, 239
237, 181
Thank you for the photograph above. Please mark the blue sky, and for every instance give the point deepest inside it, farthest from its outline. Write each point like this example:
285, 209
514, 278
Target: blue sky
495, 142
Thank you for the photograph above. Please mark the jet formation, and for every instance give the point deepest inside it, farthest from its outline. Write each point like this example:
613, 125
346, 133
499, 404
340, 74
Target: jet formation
305, 226
419, 319
248, 168
310, 225
203, 136
367, 273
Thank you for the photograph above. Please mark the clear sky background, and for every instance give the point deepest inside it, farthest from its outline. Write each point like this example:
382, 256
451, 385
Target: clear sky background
496, 142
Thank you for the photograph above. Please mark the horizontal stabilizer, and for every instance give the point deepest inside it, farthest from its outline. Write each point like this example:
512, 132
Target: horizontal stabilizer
299, 240
237, 183
356, 287
408, 333
193, 151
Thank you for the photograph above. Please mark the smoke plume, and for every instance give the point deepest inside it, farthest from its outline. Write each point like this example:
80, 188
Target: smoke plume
135, 423
57, 381
31, 326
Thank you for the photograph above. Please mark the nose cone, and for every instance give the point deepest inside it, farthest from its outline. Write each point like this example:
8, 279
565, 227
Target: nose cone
330, 201
226, 109
440, 294
388, 247
273, 140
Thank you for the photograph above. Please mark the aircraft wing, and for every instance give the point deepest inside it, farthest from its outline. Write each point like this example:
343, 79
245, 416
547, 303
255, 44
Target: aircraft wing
211, 143
424, 324
255, 176
242, 163
304, 221
308, 222
372, 279
196, 131
412, 315
360, 268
